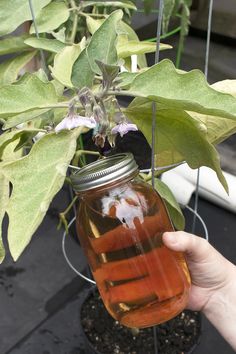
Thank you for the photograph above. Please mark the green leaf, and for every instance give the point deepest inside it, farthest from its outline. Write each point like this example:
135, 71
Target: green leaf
219, 128
122, 29
10, 68
10, 153
92, 24
172, 205
4, 197
9, 137
126, 79
31, 94
60, 35
33, 192
13, 44
183, 91
51, 17
179, 137
119, 4
13, 121
132, 36
63, 64
51, 45
82, 74
15, 12
168, 8
129, 48
102, 44
109, 72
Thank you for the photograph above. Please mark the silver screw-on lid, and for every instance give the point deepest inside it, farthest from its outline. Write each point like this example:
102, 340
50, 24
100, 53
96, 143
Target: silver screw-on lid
101, 172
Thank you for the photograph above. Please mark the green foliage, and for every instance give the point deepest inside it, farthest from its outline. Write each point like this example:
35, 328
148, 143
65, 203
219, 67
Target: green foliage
121, 4
101, 46
15, 12
190, 91
85, 43
50, 45
178, 137
51, 17
10, 68
63, 64
13, 44
169, 6
43, 94
36, 179
128, 48
82, 74
172, 205
4, 197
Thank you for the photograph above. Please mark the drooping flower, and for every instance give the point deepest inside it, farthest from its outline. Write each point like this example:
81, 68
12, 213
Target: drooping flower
74, 121
123, 128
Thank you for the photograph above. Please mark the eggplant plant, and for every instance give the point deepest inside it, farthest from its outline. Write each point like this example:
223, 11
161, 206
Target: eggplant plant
87, 50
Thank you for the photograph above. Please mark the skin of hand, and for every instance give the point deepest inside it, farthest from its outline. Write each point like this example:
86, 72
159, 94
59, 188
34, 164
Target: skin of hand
213, 277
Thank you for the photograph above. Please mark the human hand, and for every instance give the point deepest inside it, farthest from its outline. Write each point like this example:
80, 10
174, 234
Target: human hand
211, 273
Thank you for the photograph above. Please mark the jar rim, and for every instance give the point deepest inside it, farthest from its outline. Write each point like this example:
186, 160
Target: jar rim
104, 171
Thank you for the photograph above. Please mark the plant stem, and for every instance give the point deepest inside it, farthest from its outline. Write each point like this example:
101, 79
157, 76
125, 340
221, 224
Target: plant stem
75, 22
180, 50
92, 15
120, 93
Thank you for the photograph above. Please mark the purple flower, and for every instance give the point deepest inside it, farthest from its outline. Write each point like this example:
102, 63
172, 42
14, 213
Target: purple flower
74, 121
123, 128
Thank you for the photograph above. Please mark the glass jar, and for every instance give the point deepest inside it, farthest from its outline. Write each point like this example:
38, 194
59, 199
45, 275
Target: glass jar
120, 223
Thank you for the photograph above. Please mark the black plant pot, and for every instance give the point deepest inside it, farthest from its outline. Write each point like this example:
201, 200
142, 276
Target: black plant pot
103, 335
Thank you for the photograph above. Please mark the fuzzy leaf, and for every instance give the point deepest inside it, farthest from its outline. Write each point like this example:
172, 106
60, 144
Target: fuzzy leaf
63, 64
101, 46
33, 192
219, 128
4, 197
128, 48
51, 45
172, 205
123, 29
9, 137
168, 8
15, 12
120, 4
185, 91
51, 17
13, 121
10, 68
82, 74
126, 78
13, 44
179, 137
27, 95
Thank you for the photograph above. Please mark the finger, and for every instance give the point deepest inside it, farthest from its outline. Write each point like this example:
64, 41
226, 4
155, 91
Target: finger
196, 248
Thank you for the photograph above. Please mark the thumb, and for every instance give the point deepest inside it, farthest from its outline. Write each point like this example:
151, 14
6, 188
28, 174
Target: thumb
196, 248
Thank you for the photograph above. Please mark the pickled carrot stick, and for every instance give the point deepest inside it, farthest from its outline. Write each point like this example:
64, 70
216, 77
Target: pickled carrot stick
157, 313
166, 278
158, 260
136, 290
122, 237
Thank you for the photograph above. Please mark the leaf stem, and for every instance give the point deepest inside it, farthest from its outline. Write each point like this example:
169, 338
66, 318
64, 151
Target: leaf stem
120, 93
75, 22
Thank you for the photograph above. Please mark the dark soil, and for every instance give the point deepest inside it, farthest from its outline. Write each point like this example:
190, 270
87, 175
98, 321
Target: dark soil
177, 336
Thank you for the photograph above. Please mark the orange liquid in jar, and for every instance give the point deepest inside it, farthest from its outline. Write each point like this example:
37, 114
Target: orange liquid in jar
142, 283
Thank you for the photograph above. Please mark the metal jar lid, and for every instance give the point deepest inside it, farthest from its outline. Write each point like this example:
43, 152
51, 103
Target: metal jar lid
102, 172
